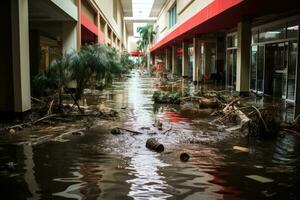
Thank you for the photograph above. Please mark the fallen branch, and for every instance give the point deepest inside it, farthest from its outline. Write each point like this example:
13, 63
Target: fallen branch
260, 116
191, 97
167, 130
44, 118
292, 131
50, 107
131, 131
75, 101
230, 104
37, 100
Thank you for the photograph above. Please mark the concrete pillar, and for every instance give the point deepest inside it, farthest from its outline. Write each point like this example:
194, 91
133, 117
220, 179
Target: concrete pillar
185, 59
196, 59
20, 55
98, 23
174, 60
78, 3
105, 32
168, 59
243, 57
69, 37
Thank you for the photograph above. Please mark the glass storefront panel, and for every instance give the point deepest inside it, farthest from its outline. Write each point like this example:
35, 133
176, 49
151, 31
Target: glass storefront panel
232, 40
292, 29
254, 36
274, 56
272, 33
293, 53
231, 67
210, 68
260, 68
253, 68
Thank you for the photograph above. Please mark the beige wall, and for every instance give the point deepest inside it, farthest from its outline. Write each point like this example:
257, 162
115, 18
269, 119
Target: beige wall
106, 8
68, 6
88, 11
185, 10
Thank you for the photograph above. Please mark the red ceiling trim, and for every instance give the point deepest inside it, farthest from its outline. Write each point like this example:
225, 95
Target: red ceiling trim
212, 10
88, 24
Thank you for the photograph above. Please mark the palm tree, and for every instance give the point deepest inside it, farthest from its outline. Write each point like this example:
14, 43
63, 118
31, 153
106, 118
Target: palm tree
147, 35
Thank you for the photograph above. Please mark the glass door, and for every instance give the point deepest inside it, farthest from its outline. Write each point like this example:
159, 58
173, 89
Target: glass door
253, 68
276, 65
292, 65
231, 67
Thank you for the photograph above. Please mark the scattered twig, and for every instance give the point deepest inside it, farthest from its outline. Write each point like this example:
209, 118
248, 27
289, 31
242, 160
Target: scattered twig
131, 131
44, 118
167, 130
260, 116
230, 104
50, 107
296, 119
292, 131
37, 100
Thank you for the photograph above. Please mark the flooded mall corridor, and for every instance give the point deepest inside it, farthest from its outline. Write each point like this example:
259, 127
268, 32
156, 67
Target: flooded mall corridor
100, 165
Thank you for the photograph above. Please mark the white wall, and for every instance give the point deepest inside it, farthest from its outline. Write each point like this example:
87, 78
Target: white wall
185, 10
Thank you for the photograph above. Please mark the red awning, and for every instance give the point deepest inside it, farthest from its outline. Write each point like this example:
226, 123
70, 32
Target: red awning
88, 24
137, 53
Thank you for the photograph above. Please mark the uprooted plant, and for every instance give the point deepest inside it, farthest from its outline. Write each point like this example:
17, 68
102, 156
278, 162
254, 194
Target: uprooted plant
94, 61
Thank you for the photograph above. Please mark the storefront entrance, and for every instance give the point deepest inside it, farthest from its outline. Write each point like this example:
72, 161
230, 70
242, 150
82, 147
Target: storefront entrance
280, 69
274, 55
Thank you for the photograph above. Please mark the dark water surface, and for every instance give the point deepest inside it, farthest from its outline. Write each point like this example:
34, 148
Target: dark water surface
100, 165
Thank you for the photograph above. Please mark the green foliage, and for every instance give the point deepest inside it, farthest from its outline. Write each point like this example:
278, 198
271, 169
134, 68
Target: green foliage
147, 34
91, 62
126, 63
167, 97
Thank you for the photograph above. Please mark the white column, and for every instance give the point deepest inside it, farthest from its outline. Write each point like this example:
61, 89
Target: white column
167, 54
174, 60
185, 61
243, 57
196, 59
69, 36
20, 54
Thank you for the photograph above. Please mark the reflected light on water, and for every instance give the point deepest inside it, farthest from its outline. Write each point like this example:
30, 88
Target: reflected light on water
148, 183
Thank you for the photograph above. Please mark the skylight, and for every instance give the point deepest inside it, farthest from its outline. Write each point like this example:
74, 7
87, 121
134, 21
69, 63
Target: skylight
141, 8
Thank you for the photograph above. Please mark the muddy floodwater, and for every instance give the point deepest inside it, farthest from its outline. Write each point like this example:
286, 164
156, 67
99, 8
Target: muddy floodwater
99, 165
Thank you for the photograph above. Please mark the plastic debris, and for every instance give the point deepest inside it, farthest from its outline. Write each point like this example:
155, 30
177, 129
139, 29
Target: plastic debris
260, 178
243, 149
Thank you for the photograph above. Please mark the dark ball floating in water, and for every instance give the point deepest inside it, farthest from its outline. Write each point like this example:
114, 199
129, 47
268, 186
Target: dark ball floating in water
115, 131
184, 157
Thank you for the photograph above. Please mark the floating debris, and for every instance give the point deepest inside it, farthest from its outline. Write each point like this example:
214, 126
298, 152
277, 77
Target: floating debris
260, 178
154, 145
184, 157
243, 149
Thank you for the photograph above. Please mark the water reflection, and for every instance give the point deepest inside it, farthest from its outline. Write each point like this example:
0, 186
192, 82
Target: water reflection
148, 182
287, 149
100, 165
29, 175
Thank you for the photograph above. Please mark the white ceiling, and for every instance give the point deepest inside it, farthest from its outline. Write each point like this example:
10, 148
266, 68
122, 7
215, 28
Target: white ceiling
139, 12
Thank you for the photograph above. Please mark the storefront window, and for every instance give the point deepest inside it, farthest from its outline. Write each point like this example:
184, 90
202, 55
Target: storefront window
253, 67
260, 68
292, 29
254, 37
231, 59
232, 41
293, 50
272, 33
